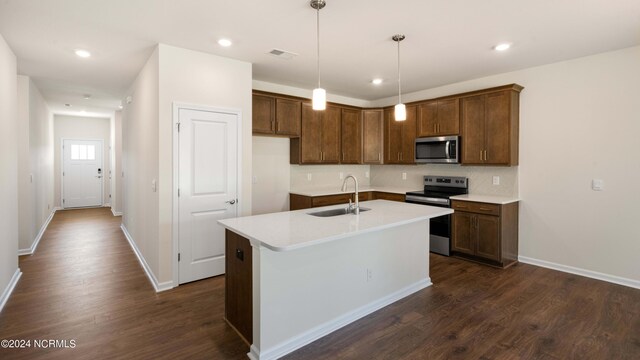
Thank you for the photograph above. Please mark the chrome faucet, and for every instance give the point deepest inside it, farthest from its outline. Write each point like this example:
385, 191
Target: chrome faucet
356, 209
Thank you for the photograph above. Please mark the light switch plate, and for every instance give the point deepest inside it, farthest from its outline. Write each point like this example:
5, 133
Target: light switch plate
366, 174
496, 180
308, 176
597, 184
404, 176
341, 176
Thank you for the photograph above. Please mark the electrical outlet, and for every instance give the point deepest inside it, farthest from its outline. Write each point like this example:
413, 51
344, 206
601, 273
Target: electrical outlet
404, 176
154, 185
341, 176
254, 180
369, 275
597, 184
366, 174
308, 176
496, 180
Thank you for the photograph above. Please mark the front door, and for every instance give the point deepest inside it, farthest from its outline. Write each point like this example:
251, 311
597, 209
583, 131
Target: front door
82, 173
208, 185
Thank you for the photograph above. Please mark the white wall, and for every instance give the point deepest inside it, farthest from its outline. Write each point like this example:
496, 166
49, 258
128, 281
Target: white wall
271, 175
76, 127
116, 169
184, 76
306, 93
35, 162
140, 162
579, 120
8, 169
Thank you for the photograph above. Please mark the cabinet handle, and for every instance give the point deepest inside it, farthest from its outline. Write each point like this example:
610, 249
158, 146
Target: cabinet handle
480, 155
435, 129
343, 155
378, 156
398, 156
485, 155
272, 121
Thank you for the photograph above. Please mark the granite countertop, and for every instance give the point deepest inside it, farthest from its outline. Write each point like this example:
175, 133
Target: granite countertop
292, 230
491, 199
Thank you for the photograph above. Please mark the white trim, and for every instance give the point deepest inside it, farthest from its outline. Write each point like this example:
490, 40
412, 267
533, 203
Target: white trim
582, 272
57, 208
167, 285
319, 331
33, 247
9, 289
175, 236
62, 140
116, 213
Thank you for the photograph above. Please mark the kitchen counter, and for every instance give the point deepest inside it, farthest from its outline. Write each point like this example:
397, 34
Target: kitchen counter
334, 190
491, 199
293, 278
297, 229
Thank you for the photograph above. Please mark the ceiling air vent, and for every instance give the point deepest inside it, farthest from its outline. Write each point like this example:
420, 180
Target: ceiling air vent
281, 54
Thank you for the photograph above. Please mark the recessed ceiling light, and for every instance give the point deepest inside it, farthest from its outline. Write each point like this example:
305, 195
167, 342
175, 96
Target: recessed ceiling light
376, 81
83, 53
224, 42
502, 47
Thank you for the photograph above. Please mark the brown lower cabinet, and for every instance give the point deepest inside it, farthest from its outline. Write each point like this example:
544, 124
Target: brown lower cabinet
297, 202
238, 301
485, 232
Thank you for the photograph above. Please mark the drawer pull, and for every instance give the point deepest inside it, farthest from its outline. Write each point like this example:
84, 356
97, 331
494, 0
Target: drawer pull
485, 209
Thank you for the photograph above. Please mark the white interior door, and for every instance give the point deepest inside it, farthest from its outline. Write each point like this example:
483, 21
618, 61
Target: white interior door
82, 173
208, 178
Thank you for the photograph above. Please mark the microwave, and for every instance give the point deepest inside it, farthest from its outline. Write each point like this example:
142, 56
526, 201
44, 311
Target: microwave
440, 149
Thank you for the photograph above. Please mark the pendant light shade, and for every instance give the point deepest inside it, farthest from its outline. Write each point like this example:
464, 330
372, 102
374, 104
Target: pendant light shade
400, 112
319, 100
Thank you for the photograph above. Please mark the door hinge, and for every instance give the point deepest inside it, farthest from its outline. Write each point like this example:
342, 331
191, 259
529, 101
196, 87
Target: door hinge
178, 256
63, 201
178, 192
178, 127
63, 173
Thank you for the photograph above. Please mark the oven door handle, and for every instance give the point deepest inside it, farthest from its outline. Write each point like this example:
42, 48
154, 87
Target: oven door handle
446, 150
422, 199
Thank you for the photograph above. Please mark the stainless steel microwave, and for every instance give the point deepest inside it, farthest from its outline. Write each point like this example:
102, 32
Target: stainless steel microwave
441, 149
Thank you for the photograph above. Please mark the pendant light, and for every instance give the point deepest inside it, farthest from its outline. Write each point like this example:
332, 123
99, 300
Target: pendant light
319, 101
400, 110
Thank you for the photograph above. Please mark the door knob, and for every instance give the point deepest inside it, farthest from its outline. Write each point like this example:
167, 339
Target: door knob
231, 202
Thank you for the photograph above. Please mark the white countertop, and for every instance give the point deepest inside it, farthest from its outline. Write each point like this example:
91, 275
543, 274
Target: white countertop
335, 190
491, 199
292, 230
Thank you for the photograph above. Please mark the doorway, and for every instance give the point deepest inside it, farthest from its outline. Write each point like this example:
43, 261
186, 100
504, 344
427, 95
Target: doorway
207, 180
82, 173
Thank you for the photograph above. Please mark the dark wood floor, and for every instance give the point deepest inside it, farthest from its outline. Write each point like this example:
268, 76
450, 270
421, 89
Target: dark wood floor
84, 283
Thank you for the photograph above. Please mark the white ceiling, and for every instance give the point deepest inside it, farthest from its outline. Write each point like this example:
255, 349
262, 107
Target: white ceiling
447, 41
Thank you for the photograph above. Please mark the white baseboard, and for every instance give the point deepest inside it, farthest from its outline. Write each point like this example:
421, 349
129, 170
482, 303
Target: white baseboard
582, 272
156, 285
57, 208
33, 247
9, 289
116, 213
319, 331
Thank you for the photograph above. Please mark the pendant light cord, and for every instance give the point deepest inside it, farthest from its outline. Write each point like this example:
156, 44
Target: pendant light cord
399, 82
318, 38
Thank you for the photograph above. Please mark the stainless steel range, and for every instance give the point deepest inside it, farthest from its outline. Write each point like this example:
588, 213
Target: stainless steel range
437, 191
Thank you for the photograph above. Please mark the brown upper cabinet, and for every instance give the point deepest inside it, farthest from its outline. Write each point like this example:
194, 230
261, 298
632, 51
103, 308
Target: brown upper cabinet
439, 117
319, 141
372, 135
400, 137
490, 127
276, 116
351, 137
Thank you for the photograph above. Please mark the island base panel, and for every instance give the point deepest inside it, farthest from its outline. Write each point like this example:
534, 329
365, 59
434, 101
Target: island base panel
239, 285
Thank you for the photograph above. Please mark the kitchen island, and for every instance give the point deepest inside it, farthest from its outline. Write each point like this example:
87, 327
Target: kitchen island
293, 277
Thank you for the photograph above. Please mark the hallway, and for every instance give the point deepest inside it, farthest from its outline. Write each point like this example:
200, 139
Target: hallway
84, 283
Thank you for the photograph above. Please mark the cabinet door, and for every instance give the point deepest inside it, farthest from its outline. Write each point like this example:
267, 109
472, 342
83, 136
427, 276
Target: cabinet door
488, 232
331, 135
311, 136
263, 113
372, 129
473, 129
463, 236
288, 113
351, 137
407, 155
497, 119
427, 118
392, 138
448, 117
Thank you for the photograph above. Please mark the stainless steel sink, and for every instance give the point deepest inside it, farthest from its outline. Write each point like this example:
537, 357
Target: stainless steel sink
335, 212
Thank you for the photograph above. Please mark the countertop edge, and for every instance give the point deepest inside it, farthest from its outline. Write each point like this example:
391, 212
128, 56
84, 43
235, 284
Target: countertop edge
490, 199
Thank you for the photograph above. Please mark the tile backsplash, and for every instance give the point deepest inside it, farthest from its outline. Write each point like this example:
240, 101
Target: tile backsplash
480, 177
326, 175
